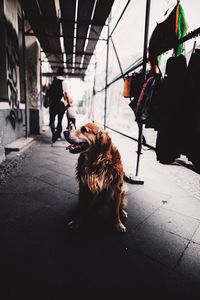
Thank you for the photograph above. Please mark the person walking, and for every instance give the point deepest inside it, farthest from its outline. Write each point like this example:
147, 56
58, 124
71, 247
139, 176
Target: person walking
56, 103
70, 111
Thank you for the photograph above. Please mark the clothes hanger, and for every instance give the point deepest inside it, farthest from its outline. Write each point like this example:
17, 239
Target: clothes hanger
171, 6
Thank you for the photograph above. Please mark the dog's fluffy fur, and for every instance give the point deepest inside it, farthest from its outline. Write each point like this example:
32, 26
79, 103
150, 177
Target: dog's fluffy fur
99, 172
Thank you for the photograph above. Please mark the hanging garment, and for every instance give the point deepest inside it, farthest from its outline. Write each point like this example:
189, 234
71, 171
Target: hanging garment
147, 110
191, 111
135, 89
142, 102
168, 141
166, 34
132, 85
136, 84
127, 87
152, 107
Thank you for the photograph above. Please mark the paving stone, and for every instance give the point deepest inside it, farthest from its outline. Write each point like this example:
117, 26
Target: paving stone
188, 206
159, 244
190, 262
196, 236
174, 222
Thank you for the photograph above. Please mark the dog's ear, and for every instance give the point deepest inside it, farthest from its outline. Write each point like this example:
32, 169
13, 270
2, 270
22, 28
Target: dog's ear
103, 141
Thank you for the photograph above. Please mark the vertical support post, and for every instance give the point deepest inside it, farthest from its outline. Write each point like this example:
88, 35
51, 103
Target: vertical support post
24, 72
93, 89
40, 59
146, 34
136, 179
41, 93
106, 79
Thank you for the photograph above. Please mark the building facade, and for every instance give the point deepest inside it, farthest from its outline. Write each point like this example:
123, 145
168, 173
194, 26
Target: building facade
20, 98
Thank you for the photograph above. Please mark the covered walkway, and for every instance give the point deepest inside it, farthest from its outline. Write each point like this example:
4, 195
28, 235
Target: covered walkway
41, 258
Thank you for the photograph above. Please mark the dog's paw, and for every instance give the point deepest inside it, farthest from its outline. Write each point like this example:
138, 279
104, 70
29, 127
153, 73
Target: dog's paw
120, 227
124, 214
73, 225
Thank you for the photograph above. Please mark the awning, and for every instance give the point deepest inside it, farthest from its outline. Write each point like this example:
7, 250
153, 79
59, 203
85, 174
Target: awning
78, 23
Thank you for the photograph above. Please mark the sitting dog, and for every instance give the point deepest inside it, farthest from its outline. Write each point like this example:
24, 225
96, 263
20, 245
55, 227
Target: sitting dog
99, 173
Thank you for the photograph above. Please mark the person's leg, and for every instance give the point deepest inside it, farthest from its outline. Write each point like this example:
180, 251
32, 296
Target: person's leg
61, 112
52, 113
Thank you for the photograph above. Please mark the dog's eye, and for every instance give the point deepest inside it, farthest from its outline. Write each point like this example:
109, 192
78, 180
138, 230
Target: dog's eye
83, 129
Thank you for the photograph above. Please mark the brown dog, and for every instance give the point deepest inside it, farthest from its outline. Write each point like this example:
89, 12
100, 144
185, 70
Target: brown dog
99, 172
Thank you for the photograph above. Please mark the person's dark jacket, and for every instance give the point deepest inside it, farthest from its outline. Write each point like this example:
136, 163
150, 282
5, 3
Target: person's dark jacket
55, 92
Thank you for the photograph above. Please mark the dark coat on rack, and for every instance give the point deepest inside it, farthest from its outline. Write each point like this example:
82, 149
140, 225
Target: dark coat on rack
191, 111
168, 144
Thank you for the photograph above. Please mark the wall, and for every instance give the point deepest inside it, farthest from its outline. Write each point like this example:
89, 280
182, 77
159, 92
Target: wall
14, 123
12, 52
33, 84
11, 124
3, 74
19, 76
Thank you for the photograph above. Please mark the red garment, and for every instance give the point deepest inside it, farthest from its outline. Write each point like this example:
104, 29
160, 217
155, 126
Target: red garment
143, 93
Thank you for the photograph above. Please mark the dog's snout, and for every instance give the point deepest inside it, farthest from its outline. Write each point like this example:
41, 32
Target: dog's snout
66, 134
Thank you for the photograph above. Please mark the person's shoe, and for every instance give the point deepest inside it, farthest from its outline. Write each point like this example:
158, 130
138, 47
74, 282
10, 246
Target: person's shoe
58, 136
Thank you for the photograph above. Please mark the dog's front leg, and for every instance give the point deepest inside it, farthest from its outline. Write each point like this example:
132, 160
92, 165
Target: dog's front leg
78, 219
117, 203
86, 203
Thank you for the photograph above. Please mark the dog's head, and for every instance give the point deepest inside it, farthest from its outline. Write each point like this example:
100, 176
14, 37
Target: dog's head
88, 137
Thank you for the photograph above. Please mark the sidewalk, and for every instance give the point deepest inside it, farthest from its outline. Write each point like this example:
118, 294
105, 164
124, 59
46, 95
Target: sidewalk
40, 258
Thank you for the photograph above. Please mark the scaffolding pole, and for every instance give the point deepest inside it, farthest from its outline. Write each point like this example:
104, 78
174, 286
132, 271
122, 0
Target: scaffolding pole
136, 179
106, 79
24, 78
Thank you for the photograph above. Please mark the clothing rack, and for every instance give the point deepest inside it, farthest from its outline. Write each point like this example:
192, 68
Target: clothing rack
139, 63
135, 179
187, 37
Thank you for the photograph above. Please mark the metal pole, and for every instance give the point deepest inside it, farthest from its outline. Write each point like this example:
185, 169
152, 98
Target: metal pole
24, 78
41, 93
117, 56
148, 3
93, 89
140, 125
106, 79
136, 179
120, 16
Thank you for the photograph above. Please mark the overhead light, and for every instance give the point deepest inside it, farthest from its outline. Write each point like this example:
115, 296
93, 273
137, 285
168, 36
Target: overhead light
88, 33
62, 46
75, 35
57, 6
65, 60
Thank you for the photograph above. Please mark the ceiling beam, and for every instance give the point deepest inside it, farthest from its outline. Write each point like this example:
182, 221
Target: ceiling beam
48, 35
48, 20
51, 74
71, 53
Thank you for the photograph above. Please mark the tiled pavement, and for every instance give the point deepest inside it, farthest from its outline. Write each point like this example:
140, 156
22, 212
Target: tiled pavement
40, 258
